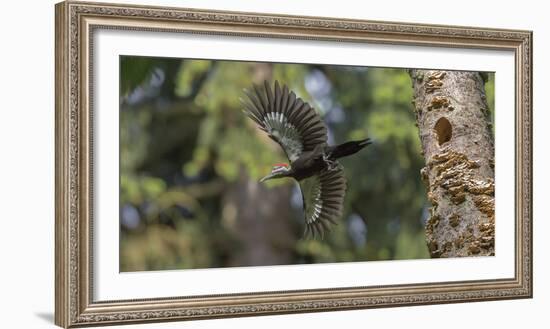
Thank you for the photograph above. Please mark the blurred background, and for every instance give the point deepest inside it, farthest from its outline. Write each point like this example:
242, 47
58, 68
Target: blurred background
190, 162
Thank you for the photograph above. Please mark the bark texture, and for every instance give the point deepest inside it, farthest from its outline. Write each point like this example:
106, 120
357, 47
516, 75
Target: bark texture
452, 116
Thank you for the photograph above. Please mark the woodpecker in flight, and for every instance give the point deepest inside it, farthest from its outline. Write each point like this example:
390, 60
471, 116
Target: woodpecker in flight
301, 133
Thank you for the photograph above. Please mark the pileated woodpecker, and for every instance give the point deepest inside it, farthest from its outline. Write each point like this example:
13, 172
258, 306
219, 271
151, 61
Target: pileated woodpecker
299, 130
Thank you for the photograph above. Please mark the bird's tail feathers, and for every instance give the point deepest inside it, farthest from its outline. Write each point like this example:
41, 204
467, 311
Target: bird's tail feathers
349, 148
365, 142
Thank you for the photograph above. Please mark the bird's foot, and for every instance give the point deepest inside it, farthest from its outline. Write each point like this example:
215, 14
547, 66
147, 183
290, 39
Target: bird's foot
331, 165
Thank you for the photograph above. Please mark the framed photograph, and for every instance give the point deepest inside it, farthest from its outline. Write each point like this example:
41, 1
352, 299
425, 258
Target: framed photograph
218, 164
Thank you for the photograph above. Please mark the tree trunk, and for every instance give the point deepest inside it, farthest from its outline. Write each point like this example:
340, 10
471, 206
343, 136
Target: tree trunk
452, 117
259, 217
261, 220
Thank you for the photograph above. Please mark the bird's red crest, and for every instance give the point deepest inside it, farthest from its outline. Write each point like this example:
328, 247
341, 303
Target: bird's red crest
281, 165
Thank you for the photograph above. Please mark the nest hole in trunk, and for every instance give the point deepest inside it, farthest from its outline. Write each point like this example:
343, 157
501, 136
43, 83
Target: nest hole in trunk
444, 131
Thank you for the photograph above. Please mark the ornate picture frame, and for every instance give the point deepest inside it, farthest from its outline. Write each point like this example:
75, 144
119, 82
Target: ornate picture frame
76, 22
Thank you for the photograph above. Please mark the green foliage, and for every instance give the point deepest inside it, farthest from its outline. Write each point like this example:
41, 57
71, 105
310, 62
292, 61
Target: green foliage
134, 71
185, 146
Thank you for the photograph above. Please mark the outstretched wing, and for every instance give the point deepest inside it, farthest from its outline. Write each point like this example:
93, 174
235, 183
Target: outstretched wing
323, 198
288, 120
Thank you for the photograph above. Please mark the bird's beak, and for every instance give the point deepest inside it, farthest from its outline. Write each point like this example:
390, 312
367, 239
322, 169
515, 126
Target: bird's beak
266, 178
